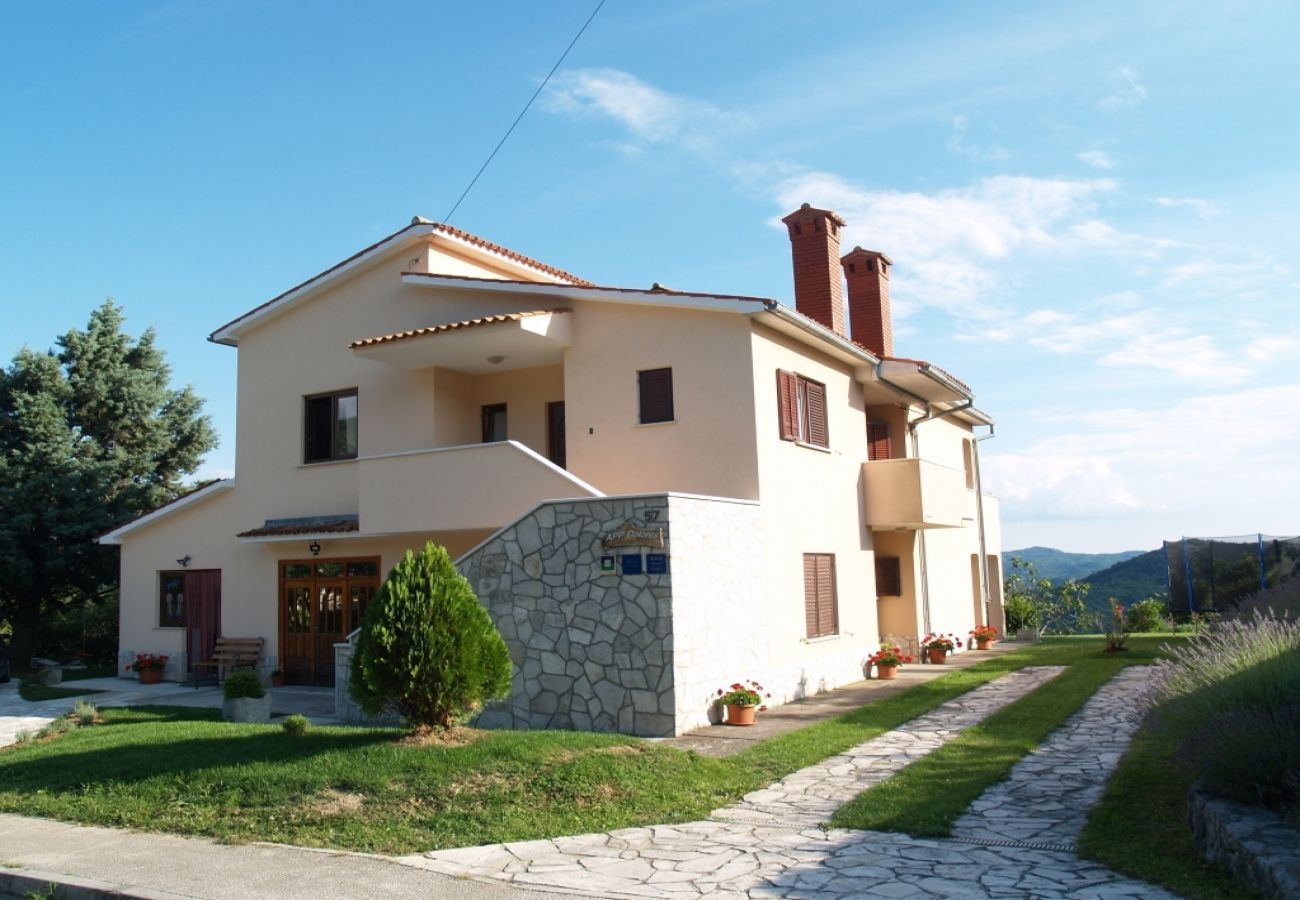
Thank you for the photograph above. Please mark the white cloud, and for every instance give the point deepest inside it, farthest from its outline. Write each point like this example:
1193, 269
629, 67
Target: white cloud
1197, 458
1131, 93
957, 144
651, 115
1206, 209
1187, 357
1266, 349
948, 239
1098, 159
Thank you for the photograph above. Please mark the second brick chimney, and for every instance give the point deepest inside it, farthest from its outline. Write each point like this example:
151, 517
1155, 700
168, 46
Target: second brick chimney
815, 246
867, 273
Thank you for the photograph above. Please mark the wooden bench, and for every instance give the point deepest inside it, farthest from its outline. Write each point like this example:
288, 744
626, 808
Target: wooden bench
230, 653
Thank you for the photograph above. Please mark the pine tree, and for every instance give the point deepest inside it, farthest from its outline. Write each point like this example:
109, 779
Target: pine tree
90, 437
427, 647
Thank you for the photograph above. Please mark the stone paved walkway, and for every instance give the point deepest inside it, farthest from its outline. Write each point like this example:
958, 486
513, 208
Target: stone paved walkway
1047, 798
810, 796
722, 859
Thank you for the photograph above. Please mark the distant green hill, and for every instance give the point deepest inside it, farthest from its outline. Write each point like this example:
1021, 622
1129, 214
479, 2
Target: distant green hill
1128, 581
1059, 565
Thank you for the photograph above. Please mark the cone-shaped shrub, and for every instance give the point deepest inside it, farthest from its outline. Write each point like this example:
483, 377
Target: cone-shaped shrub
427, 648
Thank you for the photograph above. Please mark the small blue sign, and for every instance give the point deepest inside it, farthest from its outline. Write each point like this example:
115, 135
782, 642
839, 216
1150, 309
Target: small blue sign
631, 563
656, 563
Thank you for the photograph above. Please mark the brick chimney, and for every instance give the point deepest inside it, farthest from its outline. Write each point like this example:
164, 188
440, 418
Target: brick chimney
867, 273
815, 246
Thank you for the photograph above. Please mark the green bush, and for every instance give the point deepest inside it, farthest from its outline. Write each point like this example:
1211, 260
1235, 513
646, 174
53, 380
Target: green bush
244, 684
427, 648
84, 712
295, 725
1147, 615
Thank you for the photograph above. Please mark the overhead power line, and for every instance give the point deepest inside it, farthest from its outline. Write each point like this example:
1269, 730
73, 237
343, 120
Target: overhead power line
505, 137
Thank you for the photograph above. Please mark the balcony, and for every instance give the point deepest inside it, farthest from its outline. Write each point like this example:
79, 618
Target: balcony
478, 486
908, 494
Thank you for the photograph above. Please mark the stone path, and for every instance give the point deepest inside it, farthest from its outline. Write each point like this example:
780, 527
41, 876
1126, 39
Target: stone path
812, 795
1048, 795
780, 858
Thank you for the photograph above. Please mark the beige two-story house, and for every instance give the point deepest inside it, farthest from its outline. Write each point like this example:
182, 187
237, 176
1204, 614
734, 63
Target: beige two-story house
655, 492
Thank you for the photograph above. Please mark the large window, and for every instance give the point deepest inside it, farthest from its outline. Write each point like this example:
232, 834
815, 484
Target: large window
330, 426
656, 391
801, 409
821, 614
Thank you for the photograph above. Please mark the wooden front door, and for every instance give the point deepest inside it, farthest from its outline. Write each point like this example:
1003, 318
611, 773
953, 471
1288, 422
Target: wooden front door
321, 603
202, 613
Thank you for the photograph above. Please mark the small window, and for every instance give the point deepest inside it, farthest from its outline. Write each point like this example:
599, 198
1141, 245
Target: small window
801, 409
889, 576
330, 426
656, 390
821, 613
494, 423
878, 443
171, 600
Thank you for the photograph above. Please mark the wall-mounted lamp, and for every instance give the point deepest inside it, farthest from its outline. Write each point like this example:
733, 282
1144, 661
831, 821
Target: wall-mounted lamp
184, 560
496, 359
314, 547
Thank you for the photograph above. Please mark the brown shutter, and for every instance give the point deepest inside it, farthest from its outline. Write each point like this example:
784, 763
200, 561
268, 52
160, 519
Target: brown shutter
787, 404
878, 446
826, 606
889, 576
810, 594
656, 388
816, 397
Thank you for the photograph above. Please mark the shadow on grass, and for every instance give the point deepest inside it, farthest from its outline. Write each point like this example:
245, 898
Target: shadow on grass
107, 754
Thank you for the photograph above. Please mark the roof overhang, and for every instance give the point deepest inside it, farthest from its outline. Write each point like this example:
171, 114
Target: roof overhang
498, 343
553, 291
114, 537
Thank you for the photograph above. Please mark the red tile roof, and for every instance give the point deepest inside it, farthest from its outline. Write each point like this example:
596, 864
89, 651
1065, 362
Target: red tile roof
454, 326
438, 228
657, 289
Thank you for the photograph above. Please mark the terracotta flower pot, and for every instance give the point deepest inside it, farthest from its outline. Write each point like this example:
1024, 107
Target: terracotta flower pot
150, 676
886, 672
984, 645
938, 655
741, 715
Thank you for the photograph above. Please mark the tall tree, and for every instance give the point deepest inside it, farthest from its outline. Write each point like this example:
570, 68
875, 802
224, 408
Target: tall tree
90, 436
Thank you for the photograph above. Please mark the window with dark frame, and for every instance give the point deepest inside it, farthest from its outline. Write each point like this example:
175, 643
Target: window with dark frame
801, 409
821, 612
494, 423
655, 387
330, 426
889, 576
171, 600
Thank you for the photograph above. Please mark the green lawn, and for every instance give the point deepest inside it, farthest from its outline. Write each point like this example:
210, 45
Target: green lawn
183, 770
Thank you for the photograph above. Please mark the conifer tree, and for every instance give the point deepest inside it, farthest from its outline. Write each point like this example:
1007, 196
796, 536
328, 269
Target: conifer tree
427, 648
91, 435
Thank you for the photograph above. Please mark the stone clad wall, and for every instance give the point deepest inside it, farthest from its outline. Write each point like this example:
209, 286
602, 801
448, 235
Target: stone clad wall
1260, 849
592, 651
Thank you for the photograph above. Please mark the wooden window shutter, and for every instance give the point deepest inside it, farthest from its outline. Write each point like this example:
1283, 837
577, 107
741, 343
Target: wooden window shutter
816, 398
787, 404
826, 607
878, 446
810, 594
656, 389
821, 614
889, 576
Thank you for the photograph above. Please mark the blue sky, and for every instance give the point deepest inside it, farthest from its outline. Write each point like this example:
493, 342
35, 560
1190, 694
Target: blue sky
1091, 209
